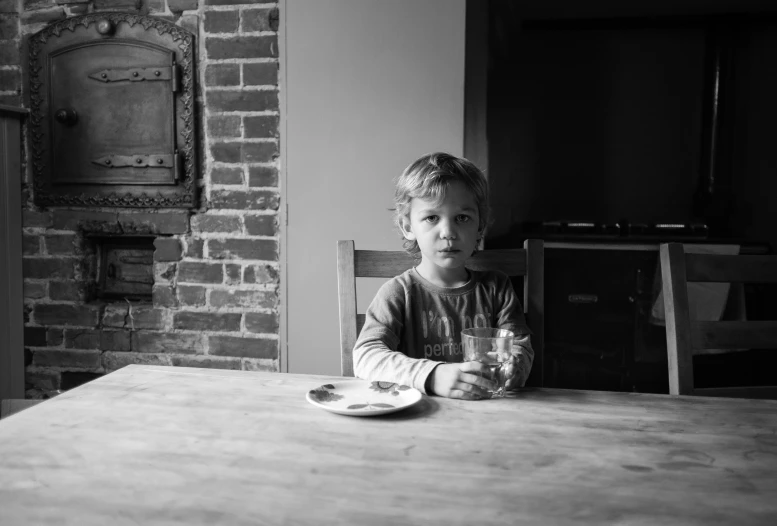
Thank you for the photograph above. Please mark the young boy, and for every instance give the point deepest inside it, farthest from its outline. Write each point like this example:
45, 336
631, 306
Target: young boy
412, 332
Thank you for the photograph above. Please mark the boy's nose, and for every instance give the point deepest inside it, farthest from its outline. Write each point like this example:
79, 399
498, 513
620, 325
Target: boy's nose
446, 232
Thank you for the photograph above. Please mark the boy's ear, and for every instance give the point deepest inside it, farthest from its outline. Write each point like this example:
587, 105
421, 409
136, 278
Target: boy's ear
407, 230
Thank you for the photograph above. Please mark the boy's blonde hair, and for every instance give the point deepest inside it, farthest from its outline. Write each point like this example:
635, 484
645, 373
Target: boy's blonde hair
429, 178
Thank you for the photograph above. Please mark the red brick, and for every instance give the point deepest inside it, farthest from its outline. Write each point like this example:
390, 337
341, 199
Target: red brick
207, 362
260, 274
191, 296
125, 5
43, 268
43, 380
178, 6
30, 245
235, 2
222, 75
34, 290
35, 336
221, 21
243, 100
164, 342
43, 16
224, 126
163, 296
241, 47
260, 74
260, 152
261, 126
164, 272
9, 25
194, 248
74, 359
260, 19
266, 176
262, 249
9, 6
55, 337
264, 225
233, 273
10, 79
82, 338
9, 53
66, 291
207, 321
62, 244
243, 347
138, 317
112, 361
226, 152
243, 298
258, 364
260, 322
15, 101
226, 175
205, 223
167, 249
198, 272
245, 200
36, 219
115, 341
64, 314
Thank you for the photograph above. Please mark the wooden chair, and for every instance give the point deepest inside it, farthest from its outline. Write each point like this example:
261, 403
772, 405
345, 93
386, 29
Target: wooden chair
686, 338
10, 406
527, 262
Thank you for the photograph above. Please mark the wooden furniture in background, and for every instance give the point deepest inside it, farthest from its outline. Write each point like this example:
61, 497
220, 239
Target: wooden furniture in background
351, 264
686, 337
11, 303
11, 406
174, 445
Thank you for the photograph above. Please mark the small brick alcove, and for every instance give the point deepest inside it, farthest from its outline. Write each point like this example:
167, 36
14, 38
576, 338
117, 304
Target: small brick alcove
214, 297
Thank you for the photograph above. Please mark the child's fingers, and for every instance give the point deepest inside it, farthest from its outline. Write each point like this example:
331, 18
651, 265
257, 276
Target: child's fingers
481, 384
466, 391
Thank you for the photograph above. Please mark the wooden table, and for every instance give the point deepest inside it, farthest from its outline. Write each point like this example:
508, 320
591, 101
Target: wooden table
160, 445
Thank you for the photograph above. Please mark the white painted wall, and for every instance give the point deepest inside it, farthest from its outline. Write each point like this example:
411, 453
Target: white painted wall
369, 86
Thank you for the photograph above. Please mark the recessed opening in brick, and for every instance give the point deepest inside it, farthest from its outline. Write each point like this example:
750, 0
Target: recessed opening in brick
126, 268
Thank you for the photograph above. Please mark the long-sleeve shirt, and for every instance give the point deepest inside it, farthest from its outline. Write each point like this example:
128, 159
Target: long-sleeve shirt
412, 325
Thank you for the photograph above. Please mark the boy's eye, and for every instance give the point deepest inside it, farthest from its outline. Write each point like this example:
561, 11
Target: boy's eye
462, 218
430, 219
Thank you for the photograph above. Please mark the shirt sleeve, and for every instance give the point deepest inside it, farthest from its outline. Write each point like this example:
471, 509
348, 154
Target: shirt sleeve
510, 316
376, 356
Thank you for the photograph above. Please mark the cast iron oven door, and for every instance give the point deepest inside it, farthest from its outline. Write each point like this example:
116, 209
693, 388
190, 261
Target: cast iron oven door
111, 98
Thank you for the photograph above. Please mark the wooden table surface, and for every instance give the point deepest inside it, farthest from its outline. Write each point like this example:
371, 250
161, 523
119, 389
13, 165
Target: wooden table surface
163, 445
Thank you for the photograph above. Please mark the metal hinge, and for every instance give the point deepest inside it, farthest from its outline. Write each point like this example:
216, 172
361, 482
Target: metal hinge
136, 74
137, 160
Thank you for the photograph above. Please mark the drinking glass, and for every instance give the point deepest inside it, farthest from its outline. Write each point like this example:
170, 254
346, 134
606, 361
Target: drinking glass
492, 347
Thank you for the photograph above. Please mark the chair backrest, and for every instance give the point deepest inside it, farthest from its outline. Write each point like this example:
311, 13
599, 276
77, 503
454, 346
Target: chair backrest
527, 262
686, 338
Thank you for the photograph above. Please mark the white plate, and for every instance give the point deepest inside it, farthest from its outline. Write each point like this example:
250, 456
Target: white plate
363, 398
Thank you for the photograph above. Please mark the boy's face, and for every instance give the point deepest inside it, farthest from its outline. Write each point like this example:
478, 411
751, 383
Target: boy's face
446, 232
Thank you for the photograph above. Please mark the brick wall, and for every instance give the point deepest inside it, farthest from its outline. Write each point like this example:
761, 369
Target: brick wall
216, 276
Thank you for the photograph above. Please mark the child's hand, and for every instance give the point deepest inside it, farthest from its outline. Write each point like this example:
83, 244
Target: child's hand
461, 380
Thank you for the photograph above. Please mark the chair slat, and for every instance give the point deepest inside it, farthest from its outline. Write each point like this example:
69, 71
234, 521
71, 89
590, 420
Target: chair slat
534, 304
382, 263
706, 335
678, 321
346, 287
717, 268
